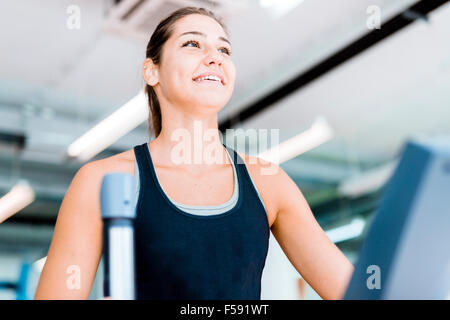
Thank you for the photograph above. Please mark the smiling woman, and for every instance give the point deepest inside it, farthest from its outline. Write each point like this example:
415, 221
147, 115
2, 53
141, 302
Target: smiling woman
202, 228
188, 45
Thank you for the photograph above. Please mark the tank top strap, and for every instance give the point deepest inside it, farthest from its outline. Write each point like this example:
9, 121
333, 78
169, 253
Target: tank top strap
244, 176
143, 164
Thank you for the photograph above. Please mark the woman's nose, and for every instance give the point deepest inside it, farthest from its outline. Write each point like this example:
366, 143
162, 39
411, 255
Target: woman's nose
213, 56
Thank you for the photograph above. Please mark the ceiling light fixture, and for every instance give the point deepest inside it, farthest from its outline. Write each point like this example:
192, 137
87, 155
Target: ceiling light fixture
319, 133
109, 130
368, 181
278, 8
39, 264
346, 232
20, 196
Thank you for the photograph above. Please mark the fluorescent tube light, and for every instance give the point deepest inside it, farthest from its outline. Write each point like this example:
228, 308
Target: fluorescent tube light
20, 196
39, 264
349, 231
109, 130
368, 181
278, 8
317, 134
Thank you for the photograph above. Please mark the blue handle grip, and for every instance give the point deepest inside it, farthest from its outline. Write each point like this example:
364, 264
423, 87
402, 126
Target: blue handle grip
117, 196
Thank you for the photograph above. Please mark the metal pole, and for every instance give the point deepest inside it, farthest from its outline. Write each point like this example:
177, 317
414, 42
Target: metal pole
117, 198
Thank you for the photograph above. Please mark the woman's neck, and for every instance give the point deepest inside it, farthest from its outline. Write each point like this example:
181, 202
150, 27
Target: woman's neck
195, 147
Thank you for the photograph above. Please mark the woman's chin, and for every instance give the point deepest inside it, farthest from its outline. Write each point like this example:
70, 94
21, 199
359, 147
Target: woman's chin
213, 107
211, 102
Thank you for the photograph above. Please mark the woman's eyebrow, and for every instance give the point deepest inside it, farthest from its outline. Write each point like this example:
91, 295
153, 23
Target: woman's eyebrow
203, 35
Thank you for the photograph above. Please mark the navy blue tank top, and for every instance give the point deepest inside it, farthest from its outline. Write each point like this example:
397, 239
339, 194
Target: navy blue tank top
186, 256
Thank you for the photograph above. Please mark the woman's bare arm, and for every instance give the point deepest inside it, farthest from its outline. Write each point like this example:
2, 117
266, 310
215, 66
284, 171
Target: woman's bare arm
305, 244
76, 246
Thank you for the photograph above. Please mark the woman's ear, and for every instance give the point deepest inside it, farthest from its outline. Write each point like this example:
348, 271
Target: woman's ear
150, 72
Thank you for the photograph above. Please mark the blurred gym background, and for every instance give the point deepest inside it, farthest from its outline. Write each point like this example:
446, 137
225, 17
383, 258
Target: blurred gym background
349, 81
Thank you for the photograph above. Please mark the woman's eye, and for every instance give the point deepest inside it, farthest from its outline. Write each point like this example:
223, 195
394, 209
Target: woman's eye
226, 50
191, 42
197, 44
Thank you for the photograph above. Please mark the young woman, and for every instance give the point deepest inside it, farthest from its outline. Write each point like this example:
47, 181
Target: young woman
202, 227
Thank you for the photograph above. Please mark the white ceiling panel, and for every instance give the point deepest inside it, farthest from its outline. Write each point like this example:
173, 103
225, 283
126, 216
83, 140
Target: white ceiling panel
375, 101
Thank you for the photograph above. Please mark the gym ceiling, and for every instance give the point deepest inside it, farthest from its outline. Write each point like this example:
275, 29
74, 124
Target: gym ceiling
375, 88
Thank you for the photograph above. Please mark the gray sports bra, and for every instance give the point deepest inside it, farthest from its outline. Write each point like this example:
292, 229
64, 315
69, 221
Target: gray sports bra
203, 210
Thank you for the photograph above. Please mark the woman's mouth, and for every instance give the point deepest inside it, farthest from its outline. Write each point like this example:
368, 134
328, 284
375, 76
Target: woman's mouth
210, 79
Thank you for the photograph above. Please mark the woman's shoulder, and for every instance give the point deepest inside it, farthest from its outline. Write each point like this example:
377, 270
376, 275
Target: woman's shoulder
121, 162
260, 168
269, 179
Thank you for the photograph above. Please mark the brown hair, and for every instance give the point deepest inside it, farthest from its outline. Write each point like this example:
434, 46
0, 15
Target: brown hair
161, 34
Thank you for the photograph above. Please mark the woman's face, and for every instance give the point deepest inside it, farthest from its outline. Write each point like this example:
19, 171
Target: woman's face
198, 46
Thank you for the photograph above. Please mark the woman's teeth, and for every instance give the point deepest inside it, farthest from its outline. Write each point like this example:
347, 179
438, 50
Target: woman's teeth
209, 78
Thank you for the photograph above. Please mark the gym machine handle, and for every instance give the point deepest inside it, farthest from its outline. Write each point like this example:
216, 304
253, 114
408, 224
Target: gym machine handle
117, 198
